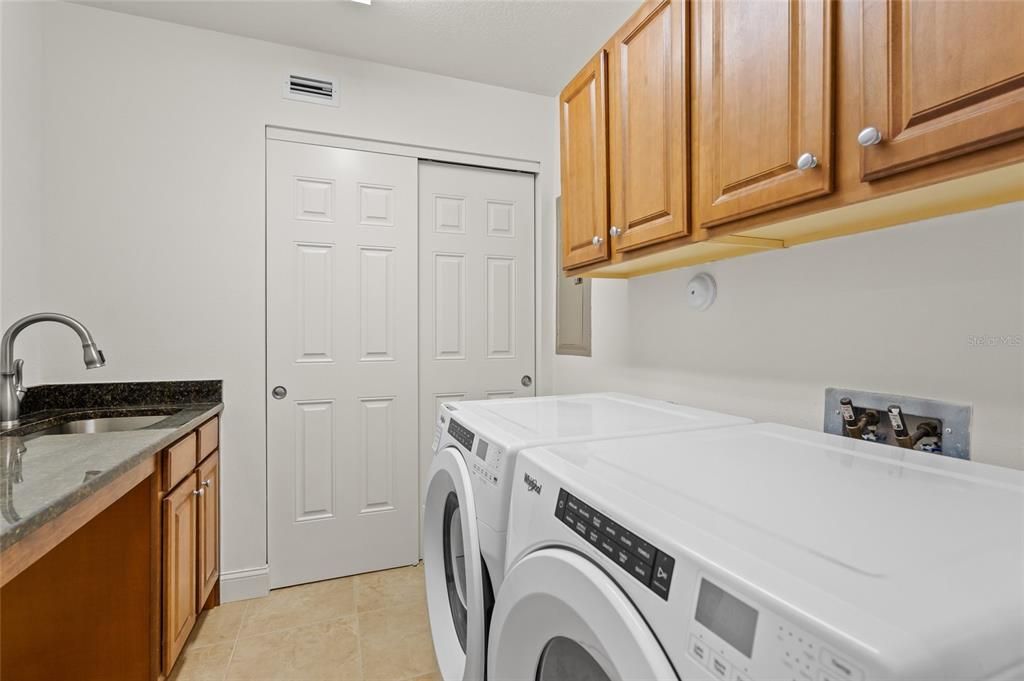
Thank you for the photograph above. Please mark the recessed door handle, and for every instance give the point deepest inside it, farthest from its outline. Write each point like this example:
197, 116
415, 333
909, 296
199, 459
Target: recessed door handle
279, 392
526, 381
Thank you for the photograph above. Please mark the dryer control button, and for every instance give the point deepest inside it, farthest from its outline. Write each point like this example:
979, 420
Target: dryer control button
560, 506
838, 667
661, 578
698, 650
568, 518
644, 550
719, 667
640, 570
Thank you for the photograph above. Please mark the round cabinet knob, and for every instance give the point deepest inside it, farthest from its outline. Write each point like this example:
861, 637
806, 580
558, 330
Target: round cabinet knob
279, 392
806, 161
597, 240
526, 381
615, 231
198, 492
206, 483
869, 136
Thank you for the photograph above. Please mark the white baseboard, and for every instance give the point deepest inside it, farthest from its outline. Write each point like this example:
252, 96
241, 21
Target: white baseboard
239, 585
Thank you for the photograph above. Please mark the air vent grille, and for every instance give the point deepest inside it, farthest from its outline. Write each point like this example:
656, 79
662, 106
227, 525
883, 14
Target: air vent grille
312, 89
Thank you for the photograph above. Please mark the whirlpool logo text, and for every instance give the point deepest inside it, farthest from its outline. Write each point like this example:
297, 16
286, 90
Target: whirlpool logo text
531, 484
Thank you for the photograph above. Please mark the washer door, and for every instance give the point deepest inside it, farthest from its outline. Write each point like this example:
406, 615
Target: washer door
455, 579
559, 617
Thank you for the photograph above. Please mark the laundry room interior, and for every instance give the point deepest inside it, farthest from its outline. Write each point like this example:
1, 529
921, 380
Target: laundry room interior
555, 340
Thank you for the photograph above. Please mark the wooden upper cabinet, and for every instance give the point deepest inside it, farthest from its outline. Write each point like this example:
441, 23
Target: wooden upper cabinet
584, 157
939, 79
648, 126
763, 99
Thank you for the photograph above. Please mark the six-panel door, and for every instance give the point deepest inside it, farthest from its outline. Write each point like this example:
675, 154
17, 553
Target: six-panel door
208, 526
179, 567
762, 129
939, 79
648, 127
584, 156
342, 294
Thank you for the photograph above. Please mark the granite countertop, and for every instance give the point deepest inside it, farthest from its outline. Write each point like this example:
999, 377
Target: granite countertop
44, 475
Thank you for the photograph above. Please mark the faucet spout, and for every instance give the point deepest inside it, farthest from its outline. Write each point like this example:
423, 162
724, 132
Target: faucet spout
10, 400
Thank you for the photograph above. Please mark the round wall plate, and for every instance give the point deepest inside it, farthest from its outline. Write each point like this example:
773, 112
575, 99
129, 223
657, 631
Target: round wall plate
701, 290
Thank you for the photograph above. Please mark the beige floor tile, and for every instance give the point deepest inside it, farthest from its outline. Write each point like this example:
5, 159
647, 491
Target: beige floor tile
208, 663
389, 588
396, 656
325, 651
298, 606
220, 625
400, 620
433, 676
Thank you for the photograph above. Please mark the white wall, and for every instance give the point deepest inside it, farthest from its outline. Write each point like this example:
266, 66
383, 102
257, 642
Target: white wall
891, 311
21, 90
153, 223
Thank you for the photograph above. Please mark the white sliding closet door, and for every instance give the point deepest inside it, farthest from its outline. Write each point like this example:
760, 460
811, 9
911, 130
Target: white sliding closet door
341, 340
476, 288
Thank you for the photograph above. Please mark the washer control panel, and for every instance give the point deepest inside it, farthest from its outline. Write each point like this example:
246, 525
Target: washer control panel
463, 435
646, 563
487, 461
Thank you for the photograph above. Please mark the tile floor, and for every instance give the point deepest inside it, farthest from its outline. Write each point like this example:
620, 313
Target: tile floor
370, 627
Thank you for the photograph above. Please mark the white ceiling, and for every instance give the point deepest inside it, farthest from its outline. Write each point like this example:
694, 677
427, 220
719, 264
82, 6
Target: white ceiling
531, 45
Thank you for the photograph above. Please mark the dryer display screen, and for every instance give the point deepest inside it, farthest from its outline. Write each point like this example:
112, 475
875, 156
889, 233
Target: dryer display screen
726, 616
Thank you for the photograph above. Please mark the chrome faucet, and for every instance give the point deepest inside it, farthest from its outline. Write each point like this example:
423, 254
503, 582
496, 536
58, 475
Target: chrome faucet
11, 388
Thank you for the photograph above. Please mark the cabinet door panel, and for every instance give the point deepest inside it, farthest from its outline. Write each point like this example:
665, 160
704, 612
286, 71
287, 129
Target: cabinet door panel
584, 131
647, 143
179, 568
209, 528
939, 79
763, 98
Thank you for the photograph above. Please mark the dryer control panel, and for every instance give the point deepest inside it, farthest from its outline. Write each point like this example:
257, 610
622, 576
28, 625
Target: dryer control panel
737, 639
645, 562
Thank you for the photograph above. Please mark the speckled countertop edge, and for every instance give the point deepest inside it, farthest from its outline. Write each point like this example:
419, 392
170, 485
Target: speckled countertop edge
185, 419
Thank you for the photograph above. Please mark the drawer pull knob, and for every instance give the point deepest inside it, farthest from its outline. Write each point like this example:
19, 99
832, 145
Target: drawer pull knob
198, 492
597, 240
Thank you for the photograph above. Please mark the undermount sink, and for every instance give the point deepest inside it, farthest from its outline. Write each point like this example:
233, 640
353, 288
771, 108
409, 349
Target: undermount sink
112, 424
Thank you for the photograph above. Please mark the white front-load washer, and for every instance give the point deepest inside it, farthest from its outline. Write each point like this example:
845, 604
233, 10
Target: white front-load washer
468, 486
760, 552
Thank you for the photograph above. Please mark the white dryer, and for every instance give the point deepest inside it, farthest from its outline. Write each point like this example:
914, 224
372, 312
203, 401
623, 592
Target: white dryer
759, 552
468, 487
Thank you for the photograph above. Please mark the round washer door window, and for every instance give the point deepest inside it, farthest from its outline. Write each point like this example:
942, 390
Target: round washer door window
453, 568
560, 617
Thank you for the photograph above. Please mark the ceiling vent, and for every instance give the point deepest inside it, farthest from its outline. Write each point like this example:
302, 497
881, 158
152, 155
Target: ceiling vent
312, 89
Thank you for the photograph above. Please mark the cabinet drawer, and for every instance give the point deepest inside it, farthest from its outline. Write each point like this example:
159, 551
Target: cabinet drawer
209, 437
179, 460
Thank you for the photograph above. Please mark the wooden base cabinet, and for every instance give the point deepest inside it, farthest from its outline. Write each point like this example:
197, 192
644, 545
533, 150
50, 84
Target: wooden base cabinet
208, 539
180, 522
191, 542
